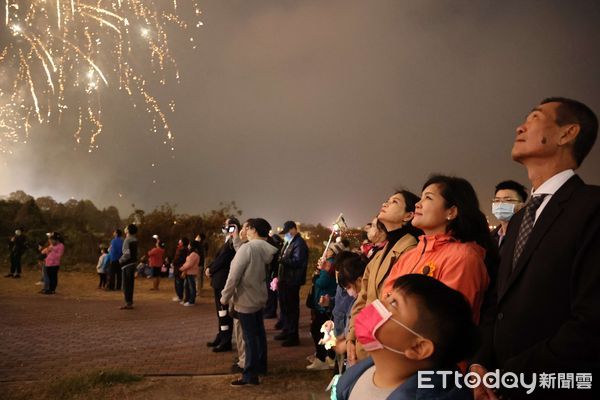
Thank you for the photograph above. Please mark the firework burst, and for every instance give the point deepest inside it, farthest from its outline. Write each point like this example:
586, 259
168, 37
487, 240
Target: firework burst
60, 58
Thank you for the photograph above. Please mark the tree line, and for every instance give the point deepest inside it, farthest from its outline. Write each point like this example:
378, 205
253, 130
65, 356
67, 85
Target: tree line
85, 227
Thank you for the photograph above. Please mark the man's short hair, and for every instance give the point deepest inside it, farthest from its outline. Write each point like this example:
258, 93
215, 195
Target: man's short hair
574, 112
512, 185
132, 229
261, 226
445, 317
119, 232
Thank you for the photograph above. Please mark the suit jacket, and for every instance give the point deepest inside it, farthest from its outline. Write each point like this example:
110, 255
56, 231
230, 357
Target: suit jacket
545, 315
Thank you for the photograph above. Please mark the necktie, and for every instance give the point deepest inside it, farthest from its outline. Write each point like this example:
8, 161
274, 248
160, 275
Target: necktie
526, 226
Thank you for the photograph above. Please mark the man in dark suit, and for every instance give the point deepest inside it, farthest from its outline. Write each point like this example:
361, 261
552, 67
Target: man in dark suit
544, 309
509, 198
292, 275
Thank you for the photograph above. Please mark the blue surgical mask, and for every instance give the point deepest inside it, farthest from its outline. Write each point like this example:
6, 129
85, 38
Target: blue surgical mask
503, 211
287, 237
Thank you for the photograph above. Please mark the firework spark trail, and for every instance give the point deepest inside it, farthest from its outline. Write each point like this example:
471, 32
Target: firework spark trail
63, 57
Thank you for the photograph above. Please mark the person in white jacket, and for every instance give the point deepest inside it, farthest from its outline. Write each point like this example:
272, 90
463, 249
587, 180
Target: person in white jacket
247, 286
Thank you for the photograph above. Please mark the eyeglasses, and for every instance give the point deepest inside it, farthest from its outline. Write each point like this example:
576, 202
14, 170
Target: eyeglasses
506, 200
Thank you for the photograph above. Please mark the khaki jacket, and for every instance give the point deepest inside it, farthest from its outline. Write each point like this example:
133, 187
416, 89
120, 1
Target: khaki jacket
373, 281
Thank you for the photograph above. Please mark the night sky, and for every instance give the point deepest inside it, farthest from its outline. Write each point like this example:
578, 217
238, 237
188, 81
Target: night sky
305, 109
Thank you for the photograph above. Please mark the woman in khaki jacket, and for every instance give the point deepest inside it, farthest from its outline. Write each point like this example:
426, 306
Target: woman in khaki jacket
396, 215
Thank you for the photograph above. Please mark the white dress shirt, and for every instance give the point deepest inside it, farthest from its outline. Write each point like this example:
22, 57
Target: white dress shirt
550, 187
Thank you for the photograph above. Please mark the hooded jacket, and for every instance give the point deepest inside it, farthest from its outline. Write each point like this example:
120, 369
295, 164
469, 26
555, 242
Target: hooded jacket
247, 280
458, 265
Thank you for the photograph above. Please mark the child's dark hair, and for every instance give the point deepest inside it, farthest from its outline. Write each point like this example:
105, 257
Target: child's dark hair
195, 246
350, 266
445, 317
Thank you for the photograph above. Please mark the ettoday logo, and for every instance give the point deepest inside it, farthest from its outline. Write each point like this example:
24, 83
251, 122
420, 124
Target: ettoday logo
507, 380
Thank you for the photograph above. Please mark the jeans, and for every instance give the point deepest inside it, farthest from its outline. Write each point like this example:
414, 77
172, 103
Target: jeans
290, 309
190, 289
102, 280
15, 264
271, 306
114, 279
179, 284
52, 273
45, 278
255, 339
128, 272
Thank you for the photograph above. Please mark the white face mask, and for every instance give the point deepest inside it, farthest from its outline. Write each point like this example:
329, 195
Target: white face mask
503, 211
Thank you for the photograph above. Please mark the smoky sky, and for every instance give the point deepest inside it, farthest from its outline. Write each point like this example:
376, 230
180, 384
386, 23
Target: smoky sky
304, 109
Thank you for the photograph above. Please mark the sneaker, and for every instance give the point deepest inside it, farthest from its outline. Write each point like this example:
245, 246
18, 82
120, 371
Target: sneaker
181, 302
39, 283
17, 276
222, 347
318, 365
176, 299
8, 275
188, 304
236, 369
241, 382
126, 307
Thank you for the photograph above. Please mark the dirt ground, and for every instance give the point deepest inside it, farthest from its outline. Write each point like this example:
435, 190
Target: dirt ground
80, 330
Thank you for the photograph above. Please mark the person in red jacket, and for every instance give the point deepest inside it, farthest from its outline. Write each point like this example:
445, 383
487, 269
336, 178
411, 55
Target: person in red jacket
155, 261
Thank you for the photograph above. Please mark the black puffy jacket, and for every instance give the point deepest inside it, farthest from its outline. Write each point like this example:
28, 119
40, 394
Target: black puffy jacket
293, 262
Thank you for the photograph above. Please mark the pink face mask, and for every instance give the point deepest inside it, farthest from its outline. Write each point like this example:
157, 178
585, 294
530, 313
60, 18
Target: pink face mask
371, 318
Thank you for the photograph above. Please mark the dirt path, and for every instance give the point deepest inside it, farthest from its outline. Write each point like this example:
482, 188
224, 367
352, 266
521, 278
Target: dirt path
81, 329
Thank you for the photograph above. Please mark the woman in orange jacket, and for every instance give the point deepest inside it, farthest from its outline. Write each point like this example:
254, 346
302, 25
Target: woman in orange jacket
456, 243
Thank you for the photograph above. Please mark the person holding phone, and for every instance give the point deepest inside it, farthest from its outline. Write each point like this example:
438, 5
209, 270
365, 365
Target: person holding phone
218, 271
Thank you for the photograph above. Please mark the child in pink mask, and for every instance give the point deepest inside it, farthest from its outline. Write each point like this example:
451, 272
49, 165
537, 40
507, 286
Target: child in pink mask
422, 326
